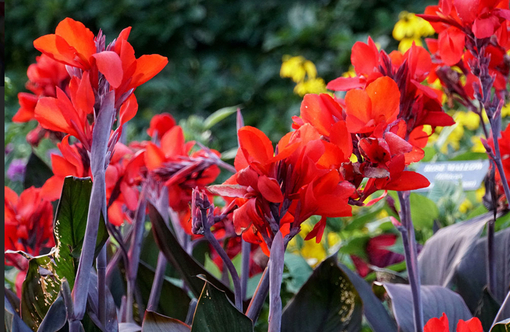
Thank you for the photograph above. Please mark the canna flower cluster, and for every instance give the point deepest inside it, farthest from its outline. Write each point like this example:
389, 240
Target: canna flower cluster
44, 77
342, 150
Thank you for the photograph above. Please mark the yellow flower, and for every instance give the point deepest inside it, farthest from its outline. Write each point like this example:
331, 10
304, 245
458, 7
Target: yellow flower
477, 145
479, 193
313, 252
465, 206
469, 120
505, 111
350, 72
411, 28
333, 239
407, 43
315, 85
292, 67
304, 73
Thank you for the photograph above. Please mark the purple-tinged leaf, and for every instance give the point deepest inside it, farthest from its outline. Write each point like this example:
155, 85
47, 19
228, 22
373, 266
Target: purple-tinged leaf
154, 322
327, 302
55, 318
111, 309
504, 311
373, 309
471, 276
275, 282
208, 317
174, 302
436, 300
12, 320
129, 327
444, 251
185, 264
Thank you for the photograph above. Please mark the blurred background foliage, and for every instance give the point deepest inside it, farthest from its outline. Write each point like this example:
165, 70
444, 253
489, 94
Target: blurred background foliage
221, 53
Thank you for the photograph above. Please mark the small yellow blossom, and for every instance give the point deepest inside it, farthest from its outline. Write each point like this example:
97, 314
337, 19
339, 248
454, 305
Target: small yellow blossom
292, 67
477, 144
333, 239
469, 120
304, 73
314, 85
505, 111
479, 193
411, 28
350, 72
465, 206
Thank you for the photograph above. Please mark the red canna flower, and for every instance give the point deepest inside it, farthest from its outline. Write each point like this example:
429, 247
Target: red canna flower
121, 192
458, 21
279, 191
442, 325
28, 225
160, 124
76, 46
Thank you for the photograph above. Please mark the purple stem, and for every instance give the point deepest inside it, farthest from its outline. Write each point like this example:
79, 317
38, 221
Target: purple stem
411, 256
259, 297
101, 262
134, 253
230, 266
98, 163
245, 267
275, 283
162, 206
157, 283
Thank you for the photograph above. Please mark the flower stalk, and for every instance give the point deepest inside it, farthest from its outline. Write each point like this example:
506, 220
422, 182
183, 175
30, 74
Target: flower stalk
98, 162
411, 256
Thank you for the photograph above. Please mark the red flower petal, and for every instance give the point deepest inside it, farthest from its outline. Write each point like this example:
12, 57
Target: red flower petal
77, 36
255, 145
385, 97
472, 325
270, 189
451, 45
147, 66
128, 109
110, 66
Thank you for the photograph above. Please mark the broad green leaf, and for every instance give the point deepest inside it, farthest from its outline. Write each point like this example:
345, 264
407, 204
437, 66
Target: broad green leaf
40, 289
70, 224
423, 211
210, 318
37, 172
327, 301
154, 322
173, 301
436, 300
502, 326
219, 115
299, 271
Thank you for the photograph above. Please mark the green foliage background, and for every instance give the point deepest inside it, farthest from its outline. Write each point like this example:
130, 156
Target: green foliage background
221, 53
